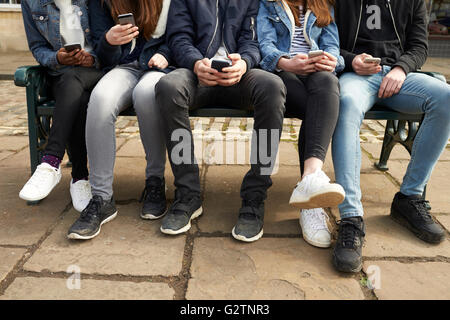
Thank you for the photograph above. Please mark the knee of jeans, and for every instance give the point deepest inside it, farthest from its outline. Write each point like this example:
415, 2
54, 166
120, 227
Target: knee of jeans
273, 91
442, 104
102, 107
170, 94
350, 108
325, 82
143, 98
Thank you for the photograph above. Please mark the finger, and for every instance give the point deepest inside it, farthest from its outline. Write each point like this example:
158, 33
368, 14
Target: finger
324, 67
330, 56
301, 56
234, 57
390, 89
231, 69
209, 76
229, 75
209, 70
73, 52
129, 38
383, 86
398, 87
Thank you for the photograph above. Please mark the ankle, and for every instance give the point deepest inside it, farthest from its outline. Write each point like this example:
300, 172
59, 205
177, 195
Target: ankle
54, 161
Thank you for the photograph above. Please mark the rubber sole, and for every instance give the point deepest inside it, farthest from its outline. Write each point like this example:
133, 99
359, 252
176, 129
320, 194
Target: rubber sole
400, 219
321, 199
152, 217
186, 228
346, 268
76, 236
248, 240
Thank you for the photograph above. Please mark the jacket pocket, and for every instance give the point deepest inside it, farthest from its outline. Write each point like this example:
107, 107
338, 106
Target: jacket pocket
41, 23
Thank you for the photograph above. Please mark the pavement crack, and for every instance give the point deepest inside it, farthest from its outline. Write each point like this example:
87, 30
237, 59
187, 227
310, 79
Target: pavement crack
12, 275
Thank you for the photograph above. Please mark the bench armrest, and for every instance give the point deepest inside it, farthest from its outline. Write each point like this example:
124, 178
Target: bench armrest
25, 75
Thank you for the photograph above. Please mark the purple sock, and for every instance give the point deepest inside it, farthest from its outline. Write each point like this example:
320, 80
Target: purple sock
51, 160
76, 180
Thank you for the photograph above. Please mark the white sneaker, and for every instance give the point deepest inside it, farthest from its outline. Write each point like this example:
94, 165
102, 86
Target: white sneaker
80, 192
316, 191
41, 183
314, 227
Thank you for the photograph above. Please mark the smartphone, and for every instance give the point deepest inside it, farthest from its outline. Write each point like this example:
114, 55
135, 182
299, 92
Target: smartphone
315, 53
72, 46
372, 60
126, 18
220, 64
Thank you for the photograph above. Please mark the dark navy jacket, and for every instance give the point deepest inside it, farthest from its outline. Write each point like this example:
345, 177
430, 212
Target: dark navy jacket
192, 30
111, 56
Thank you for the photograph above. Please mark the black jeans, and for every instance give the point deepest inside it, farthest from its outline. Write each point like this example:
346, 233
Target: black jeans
315, 100
179, 91
71, 91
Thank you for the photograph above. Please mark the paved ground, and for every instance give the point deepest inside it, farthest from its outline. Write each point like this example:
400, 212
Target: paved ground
131, 259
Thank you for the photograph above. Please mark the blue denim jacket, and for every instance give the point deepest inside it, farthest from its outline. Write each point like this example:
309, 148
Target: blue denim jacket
275, 27
41, 20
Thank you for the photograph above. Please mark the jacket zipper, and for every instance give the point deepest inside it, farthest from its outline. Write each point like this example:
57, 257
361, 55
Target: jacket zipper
252, 27
217, 25
359, 25
395, 26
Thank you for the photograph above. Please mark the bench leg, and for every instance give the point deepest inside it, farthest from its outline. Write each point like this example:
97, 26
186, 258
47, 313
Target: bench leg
397, 132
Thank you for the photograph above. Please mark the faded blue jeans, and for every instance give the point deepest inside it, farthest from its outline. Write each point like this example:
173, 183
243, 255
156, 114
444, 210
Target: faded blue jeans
420, 94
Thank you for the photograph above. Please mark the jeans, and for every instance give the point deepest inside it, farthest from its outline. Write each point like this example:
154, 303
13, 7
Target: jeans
71, 90
314, 99
420, 94
179, 92
119, 89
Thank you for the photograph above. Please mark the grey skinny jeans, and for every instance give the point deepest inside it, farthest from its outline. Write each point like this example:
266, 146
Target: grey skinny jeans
121, 88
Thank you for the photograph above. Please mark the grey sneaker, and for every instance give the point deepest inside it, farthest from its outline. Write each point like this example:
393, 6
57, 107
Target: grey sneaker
249, 227
97, 213
154, 198
180, 214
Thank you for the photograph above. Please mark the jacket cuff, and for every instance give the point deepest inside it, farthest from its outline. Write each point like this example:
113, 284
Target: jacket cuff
403, 65
191, 61
348, 59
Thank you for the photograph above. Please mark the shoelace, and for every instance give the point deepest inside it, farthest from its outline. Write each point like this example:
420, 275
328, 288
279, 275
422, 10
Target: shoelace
153, 193
181, 200
316, 219
83, 190
40, 175
348, 233
421, 209
92, 209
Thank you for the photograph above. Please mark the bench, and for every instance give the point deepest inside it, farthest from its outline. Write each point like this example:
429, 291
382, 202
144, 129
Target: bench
400, 127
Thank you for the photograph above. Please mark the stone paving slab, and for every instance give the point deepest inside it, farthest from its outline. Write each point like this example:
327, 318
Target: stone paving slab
13, 143
127, 245
222, 201
56, 289
21, 224
444, 219
412, 281
9, 257
278, 269
384, 236
398, 153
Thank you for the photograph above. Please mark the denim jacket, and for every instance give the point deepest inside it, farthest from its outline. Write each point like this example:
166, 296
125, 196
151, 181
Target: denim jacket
41, 20
275, 27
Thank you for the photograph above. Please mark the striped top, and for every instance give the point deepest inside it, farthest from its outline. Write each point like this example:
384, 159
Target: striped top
299, 44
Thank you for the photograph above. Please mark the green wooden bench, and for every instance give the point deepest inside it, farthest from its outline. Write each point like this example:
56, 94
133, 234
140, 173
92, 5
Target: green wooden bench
400, 127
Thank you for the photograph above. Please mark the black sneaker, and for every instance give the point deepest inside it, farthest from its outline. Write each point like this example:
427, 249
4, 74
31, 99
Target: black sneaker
154, 198
249, 226
89, 224
347, 255
181, 212
412, 212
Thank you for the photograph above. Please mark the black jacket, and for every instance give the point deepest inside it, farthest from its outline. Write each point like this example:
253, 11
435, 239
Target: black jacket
109, 55
410, 20
192, 30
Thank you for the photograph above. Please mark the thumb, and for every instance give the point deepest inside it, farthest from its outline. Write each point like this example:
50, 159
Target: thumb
234, 57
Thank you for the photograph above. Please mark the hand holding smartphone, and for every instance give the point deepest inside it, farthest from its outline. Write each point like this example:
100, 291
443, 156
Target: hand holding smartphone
220, 64
73, 46
315, 53
127, 18
375, 61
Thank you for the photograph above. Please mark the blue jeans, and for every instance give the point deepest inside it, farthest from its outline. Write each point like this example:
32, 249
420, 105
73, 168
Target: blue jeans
420, 94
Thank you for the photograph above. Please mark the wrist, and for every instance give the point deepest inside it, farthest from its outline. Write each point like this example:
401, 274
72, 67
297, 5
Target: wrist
283, 64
